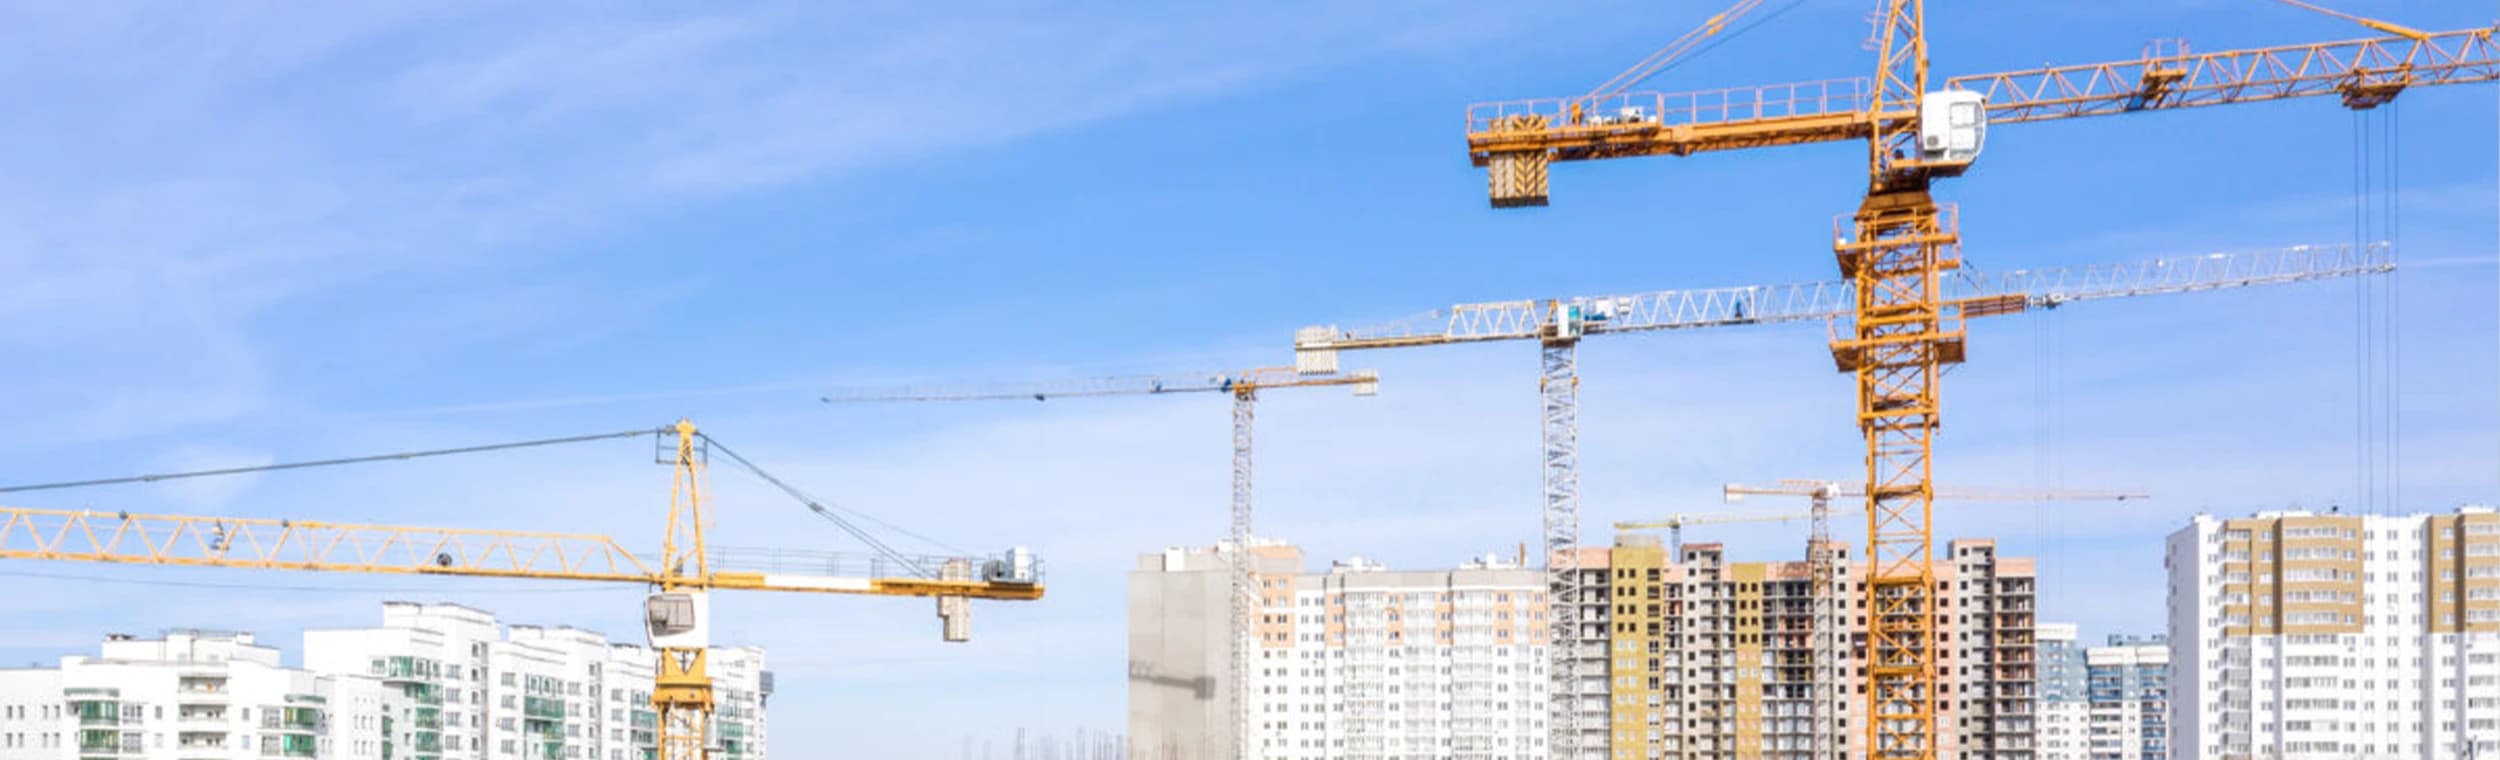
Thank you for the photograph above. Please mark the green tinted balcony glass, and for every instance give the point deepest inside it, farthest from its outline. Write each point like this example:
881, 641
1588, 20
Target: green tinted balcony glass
302, 718
98, 712
99, 741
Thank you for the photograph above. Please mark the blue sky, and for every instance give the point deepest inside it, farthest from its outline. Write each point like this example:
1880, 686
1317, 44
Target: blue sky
241, 233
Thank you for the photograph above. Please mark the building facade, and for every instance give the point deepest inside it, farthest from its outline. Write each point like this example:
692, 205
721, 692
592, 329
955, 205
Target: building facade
458, 685
1356, 662
2129, 693
187, 695
2065, 707
2304, 635
1711, 659
434, 682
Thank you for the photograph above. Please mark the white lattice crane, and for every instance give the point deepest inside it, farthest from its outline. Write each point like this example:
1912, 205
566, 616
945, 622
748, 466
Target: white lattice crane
1674, 524
1244, 387
1558, 325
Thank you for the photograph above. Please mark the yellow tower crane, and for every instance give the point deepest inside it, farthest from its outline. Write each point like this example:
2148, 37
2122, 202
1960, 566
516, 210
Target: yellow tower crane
682, 575
1900, 245
1559, 324
1244, 387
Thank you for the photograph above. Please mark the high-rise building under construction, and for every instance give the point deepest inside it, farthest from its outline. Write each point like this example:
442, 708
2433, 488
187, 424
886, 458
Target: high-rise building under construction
1690, 658
1705, 658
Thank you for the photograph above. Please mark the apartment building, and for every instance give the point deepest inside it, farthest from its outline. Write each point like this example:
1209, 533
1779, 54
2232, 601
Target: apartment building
434, 682
1357, 662
186, 695
1708, 658
2065, 707
2128, 683
2303, 635
458, 685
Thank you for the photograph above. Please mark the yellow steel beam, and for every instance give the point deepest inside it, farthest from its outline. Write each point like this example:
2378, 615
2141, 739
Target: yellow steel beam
2365, 71
265, 544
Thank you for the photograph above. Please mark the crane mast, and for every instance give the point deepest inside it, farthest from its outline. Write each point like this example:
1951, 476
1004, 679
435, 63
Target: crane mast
1244, 387
682, 685
1895, 251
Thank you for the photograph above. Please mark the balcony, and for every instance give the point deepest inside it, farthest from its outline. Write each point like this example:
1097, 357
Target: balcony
302, 719
95, 742
292, 746
546, 708
201, 715
402, 669
197, 688
97, 712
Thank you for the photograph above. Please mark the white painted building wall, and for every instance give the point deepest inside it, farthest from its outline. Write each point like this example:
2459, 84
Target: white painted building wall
1355, 663
534, 693
434, 682
2063, 705
188, 695
2392, 689
2128, 702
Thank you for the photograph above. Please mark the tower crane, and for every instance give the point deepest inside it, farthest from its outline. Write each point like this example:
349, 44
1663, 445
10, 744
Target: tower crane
1244, 387
1674, 524
682, 575
1558, 325
1900, 244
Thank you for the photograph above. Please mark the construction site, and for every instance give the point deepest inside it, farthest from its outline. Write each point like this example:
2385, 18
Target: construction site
389, 311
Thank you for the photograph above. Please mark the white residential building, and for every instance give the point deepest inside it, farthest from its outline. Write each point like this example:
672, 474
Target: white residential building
1356, 663
2303, 635
2129, 699
434, 682
2064, 708
188, 695
457, 686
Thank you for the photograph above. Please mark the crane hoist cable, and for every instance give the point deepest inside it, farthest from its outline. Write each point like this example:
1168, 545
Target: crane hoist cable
820, 509
329, 462
813, 504
464, 590
1692, 45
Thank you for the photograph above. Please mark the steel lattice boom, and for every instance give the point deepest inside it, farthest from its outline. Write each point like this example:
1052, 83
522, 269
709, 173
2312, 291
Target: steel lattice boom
2362, 72
1244, 387
1995, 292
